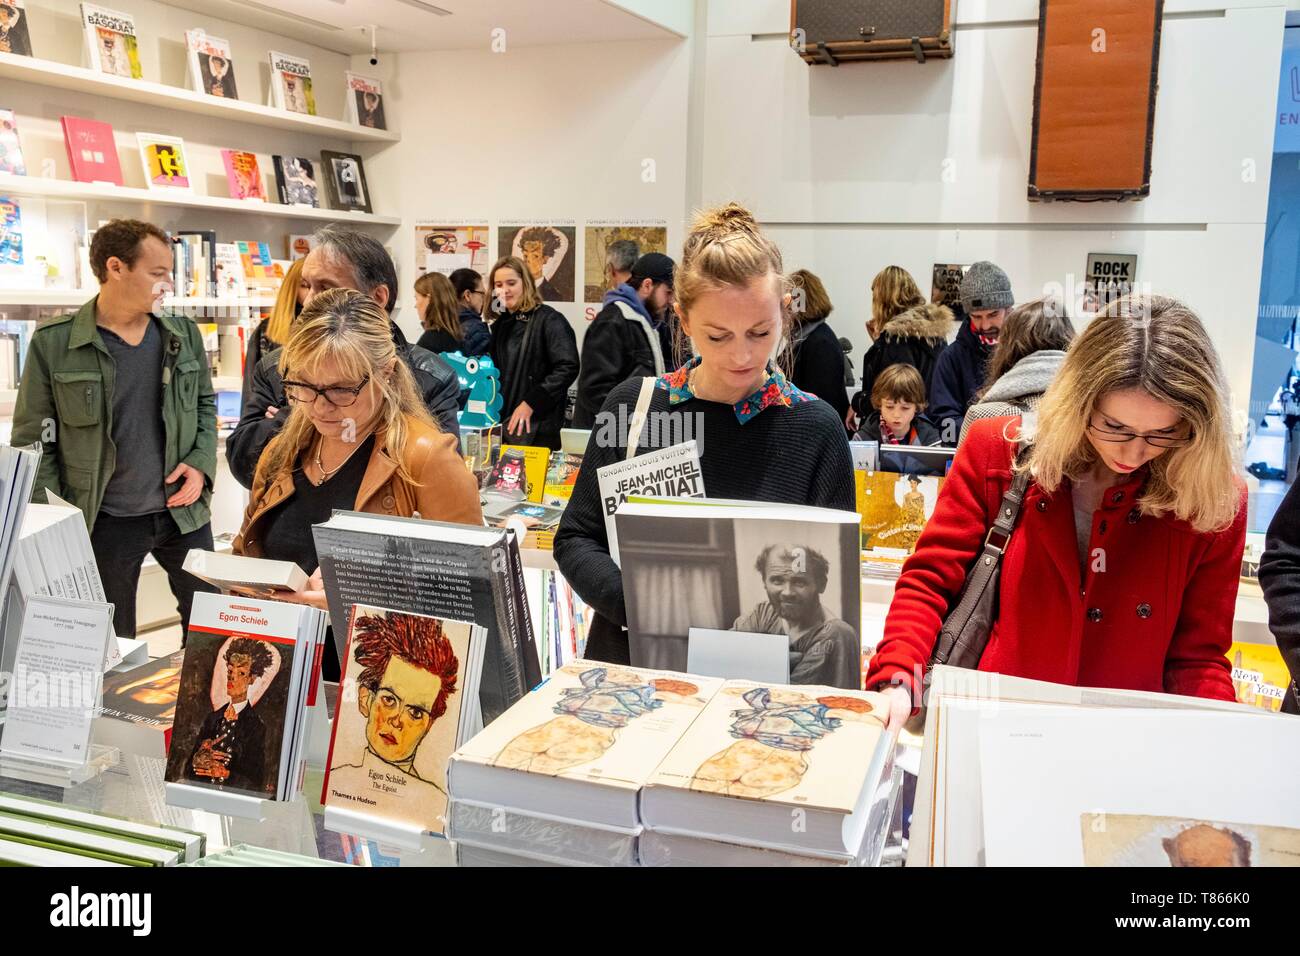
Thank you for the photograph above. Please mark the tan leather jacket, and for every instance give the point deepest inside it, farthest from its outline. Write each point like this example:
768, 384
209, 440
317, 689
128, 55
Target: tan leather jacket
447, 491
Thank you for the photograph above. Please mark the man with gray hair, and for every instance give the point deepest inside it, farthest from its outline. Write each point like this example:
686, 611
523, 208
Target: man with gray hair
342, 259
619, 258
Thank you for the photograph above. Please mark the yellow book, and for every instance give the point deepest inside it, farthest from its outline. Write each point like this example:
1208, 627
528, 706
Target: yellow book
519, 473
894, 508
1259, 675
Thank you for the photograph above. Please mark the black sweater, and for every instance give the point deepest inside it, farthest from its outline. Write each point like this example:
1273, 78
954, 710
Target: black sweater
796, 455
1279, 576
819, 367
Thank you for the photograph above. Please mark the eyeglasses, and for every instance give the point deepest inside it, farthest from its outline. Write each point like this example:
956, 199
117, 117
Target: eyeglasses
1155, 441
340, 396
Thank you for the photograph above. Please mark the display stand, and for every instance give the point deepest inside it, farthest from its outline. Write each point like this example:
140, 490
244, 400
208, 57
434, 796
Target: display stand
216, 801
101, 758
408, 836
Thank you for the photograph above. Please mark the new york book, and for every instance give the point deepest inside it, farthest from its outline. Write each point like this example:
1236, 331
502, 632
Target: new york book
14, 36
92, 151
295, 180
243, 174
111, 41
408, 699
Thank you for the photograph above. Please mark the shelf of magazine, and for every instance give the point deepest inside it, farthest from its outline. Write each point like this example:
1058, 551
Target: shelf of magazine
12, 185
162, 96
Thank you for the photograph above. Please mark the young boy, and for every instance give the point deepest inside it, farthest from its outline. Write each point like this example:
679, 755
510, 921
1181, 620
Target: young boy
898, 397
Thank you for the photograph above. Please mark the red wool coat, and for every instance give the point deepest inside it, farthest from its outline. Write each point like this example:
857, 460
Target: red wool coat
1158, 618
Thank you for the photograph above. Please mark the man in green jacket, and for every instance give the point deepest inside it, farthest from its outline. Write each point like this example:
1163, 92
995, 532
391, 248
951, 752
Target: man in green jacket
121, 401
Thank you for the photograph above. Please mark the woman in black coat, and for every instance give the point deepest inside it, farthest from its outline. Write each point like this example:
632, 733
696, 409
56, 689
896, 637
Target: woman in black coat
916, 337
536, 352
818, 357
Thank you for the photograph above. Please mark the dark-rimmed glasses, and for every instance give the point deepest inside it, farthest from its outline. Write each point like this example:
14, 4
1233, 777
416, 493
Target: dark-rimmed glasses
1119, 437
340, 396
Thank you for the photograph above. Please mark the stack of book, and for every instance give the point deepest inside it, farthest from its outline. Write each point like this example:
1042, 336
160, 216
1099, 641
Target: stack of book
245, 855
561, 622
607, 765
37, 833
251, 668
448, 571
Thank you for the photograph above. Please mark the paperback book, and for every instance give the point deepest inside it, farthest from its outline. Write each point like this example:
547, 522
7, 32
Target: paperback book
163, 158
212, 69
14, 36
365, 101
291, 84
409, 697
92, 151
243, 174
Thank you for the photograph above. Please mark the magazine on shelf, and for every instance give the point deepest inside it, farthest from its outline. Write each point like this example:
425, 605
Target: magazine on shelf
243, 175
211, 67
295, 181
365, 101
11, 151
345, 181
111, 41
92, 151
291, 84
14, 36
164, 162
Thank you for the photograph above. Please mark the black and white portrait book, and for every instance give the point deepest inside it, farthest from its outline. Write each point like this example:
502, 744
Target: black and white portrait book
754, 567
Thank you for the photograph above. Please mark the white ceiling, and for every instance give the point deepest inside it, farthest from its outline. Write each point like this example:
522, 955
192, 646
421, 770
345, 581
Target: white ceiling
409, 25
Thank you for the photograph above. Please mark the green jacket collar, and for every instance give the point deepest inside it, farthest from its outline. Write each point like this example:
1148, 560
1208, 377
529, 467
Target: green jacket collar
86, 332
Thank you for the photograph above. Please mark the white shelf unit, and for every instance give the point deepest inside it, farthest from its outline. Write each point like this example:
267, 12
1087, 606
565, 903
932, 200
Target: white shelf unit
51, 298
11, 185
161, 96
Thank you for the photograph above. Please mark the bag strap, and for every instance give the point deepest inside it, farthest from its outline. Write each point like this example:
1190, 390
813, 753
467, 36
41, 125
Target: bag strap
639, 415
1008, 511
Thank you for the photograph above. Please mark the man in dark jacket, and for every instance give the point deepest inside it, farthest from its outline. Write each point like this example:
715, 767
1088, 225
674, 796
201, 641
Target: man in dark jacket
626, 338
1279, 576
342, 259
986, 298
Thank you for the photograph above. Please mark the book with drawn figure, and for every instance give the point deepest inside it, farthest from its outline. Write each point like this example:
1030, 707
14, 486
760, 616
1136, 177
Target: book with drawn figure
14, 35
365, 105
163, 157
1259, 674
1133, 839
243, 174
111, 41
580, 746
250, 665
519, 474
409, 697
92, 150
11, 151
759, 752
561, 476
291, 84
295, 180
212, 69
894, 509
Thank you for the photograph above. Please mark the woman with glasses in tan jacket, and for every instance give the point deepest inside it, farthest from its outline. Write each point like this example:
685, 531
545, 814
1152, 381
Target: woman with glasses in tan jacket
358, 438
1122, 570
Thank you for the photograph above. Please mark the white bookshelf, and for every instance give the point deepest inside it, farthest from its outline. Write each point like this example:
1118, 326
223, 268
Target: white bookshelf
161, 96
48, 298
11, 185
188, 305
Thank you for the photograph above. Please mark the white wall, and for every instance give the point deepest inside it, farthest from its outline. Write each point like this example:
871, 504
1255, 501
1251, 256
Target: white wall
537, 132
847, 165
56, 32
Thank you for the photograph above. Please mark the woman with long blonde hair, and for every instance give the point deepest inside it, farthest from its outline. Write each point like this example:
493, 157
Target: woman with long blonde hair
359, 437
273, 331
760, 438
1122, 569
905, 330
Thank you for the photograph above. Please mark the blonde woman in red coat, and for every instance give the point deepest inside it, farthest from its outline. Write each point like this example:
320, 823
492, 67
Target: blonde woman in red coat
1123, 569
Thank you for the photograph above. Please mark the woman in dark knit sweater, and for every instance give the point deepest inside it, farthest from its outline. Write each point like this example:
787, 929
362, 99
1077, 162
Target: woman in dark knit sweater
760, 438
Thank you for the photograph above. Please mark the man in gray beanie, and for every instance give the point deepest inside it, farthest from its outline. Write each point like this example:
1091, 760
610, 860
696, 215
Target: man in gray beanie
959, 373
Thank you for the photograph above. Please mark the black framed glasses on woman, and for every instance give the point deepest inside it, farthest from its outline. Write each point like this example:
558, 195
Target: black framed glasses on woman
340, 396
1177, 437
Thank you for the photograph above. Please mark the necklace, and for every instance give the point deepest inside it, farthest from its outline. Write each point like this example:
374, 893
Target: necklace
327, 475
